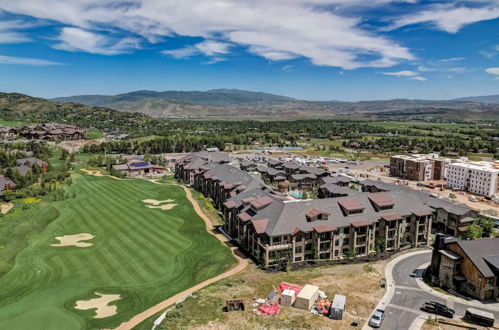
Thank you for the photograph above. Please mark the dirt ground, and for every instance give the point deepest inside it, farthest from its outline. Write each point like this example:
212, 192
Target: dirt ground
360, 283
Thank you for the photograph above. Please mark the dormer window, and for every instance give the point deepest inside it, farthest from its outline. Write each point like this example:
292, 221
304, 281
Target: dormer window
381, 201
315, 214
350, 206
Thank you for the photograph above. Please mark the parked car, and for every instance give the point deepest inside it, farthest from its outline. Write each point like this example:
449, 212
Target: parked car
438, 308
377, 318
476, 316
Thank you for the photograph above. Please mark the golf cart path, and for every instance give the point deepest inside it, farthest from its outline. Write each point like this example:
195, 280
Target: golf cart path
241, 264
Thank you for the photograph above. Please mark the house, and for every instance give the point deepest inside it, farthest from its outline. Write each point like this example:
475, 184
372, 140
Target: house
138, 168
470, 267
6, 184
31, 162
303, 181
51, 131
342, 181
330, 190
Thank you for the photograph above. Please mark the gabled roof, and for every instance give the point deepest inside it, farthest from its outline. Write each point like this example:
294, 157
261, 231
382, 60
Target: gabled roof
260, 225
477, 250
422, 213
313, 212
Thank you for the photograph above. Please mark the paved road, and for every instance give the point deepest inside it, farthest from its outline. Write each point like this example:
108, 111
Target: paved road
403, 308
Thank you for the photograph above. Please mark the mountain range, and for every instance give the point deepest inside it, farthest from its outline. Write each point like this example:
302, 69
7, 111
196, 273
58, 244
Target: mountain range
234, 102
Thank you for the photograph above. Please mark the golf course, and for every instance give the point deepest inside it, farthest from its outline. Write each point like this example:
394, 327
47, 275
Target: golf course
110, 251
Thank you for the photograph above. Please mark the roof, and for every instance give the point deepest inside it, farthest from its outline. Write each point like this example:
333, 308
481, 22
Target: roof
4, 181
422, 213
324, 228
299, 177
362, 223
450, 254
350, 204
391, 217
477, 250
338, 190
260, 225
380, 199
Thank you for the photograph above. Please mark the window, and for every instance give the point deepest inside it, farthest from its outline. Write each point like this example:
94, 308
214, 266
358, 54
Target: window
490, 281
346, 230
298, 238
337, 242
308, 246
336, 253
346, 241
298, 249
298, 259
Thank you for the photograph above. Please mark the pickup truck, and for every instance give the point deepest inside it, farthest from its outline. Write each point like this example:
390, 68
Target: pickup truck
377, 318
437, 308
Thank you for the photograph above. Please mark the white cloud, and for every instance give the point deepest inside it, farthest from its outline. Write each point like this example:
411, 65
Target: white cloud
9, 33
74, 39
26, 61
208, 47
449, 18
494, 71
276, 30
419, 78
401, 73
452, 59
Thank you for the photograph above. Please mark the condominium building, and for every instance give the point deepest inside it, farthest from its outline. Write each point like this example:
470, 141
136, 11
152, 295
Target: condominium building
342, 223
419, 167
479, 178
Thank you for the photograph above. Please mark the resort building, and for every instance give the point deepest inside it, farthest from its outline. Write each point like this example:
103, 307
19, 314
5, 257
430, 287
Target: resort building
419, 167
479, 178
277, 231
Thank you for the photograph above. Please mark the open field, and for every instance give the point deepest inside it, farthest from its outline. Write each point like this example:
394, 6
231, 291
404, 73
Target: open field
143, 255
359, 282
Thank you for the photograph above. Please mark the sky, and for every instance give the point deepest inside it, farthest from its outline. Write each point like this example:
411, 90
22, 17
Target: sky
309, 49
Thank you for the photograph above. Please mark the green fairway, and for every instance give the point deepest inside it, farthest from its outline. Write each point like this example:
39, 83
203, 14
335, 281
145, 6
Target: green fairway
145, 255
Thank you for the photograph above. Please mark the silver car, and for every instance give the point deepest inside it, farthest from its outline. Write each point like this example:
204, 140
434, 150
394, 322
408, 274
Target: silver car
377, 318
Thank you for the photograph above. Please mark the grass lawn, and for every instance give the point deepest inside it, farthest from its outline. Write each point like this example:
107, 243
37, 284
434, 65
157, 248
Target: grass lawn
94, 133
145, 255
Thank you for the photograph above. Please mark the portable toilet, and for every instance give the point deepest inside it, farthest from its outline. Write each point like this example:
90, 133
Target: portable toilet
337, 307
307, 297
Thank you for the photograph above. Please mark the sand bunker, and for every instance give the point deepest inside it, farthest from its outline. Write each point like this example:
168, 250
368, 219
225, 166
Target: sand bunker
163, 207
102, 309
156, 202
6, 208
99, 173
74, 240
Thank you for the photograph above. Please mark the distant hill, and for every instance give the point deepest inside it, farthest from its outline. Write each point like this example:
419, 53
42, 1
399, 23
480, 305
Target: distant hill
483, 99
24, 108
213, 97
235, 102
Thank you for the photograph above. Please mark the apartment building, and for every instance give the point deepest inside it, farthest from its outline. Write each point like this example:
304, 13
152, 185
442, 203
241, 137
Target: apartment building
479, 178
419, 167
277, 231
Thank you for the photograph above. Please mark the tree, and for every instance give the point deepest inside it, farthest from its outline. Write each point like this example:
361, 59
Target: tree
452, 196
486, 224
473, 232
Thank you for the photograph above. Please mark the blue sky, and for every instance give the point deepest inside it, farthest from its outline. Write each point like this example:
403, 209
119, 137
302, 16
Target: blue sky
310, 49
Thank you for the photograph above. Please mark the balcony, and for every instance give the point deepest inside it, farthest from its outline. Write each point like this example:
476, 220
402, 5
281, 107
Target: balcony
282, 246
